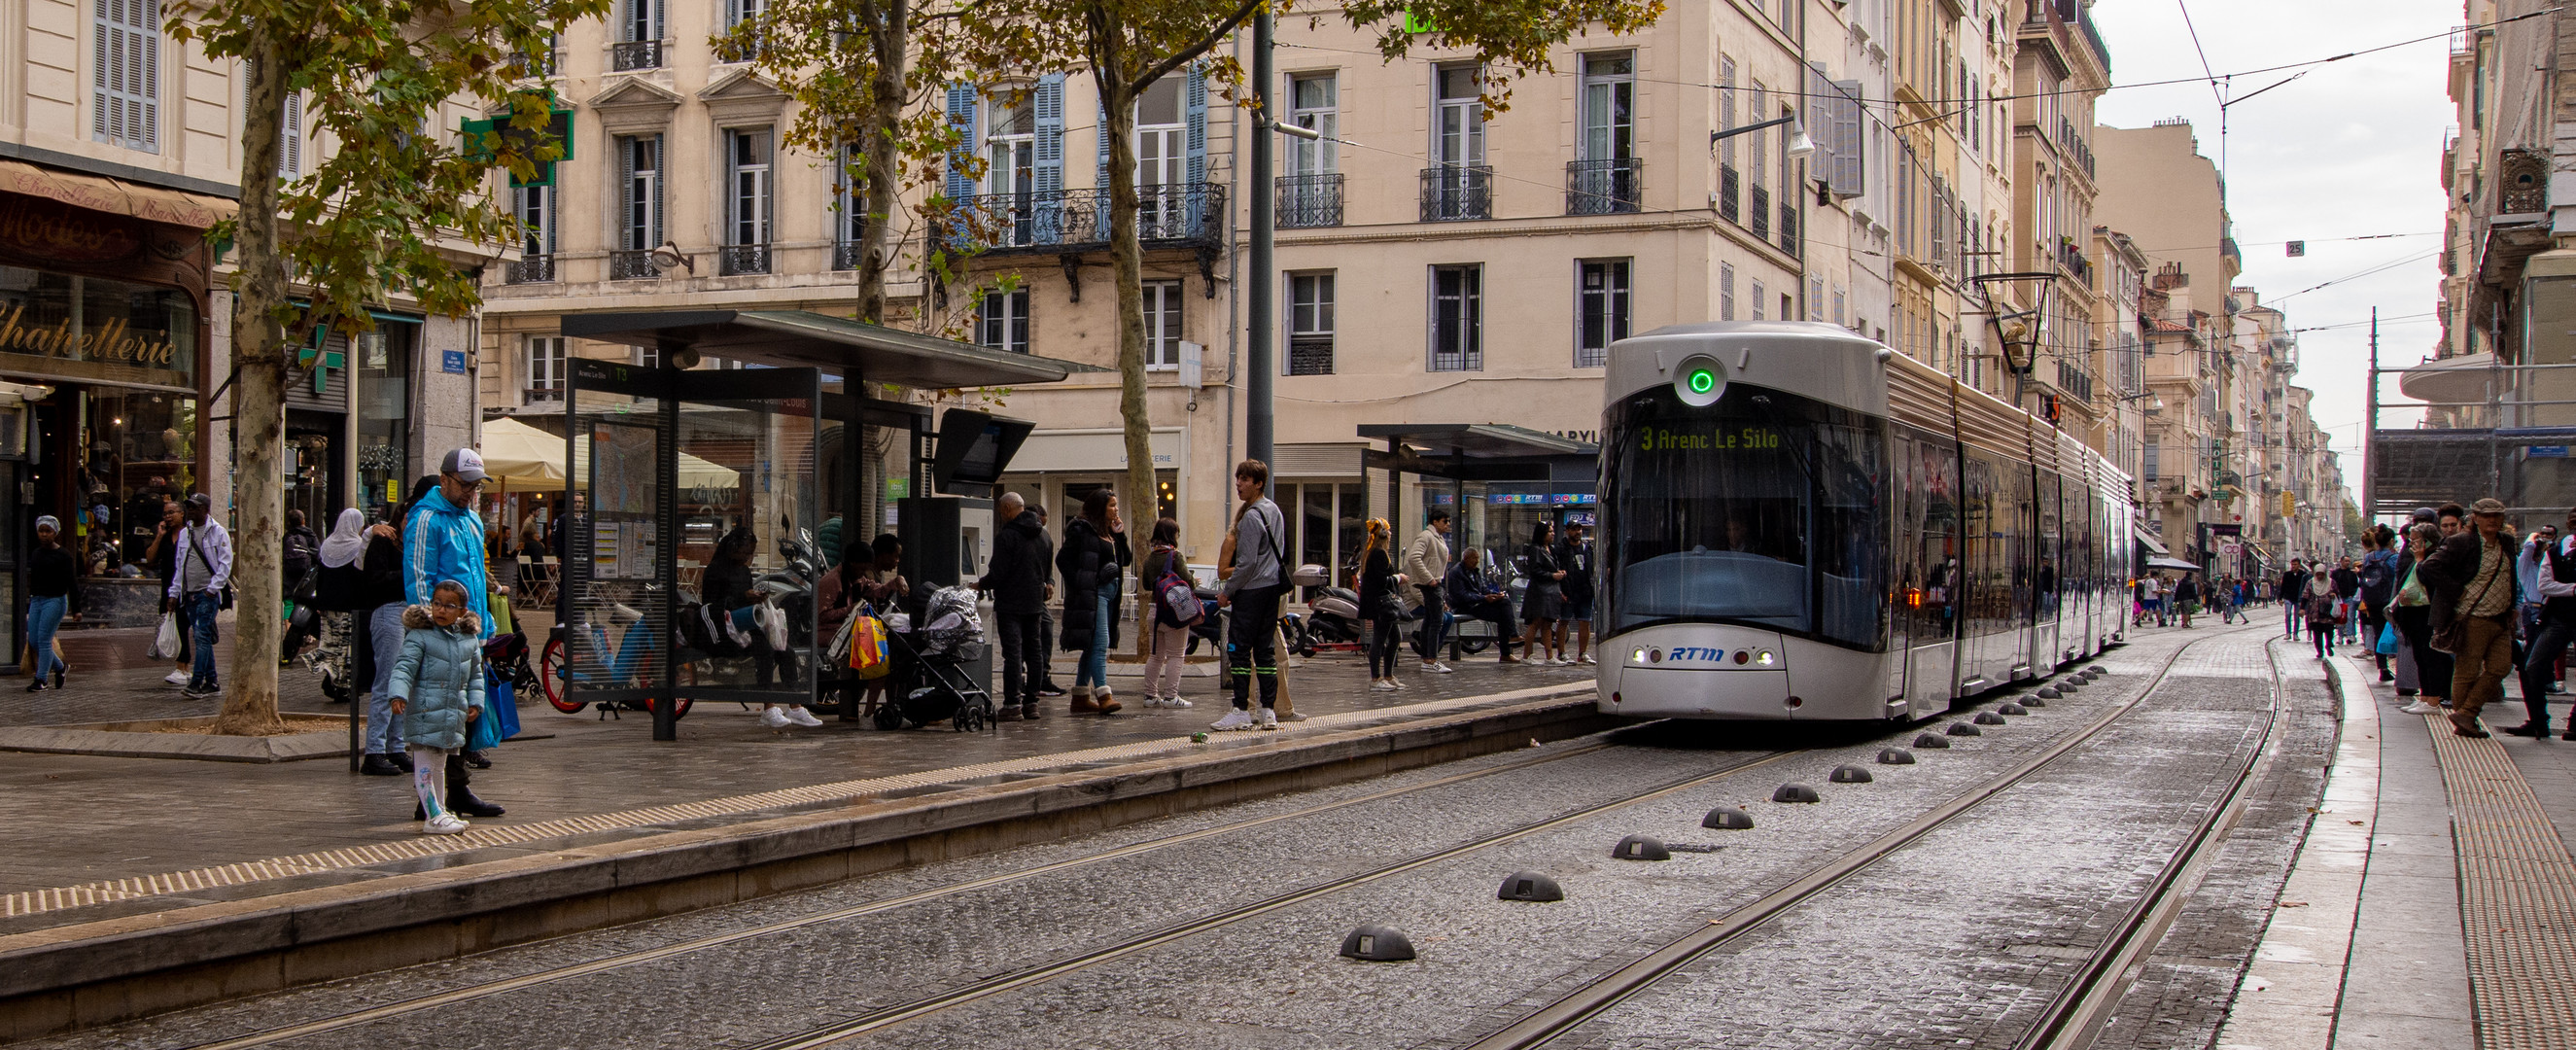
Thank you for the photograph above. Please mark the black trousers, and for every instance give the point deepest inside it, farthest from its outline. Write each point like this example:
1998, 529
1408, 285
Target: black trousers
1252, 626
1382, 646
2539, 665
1435, 621
1024, 657
2433, 667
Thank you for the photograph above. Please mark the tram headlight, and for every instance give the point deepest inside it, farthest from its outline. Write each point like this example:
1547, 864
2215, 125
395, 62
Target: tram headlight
1637, 657
1765, 659
1699, 380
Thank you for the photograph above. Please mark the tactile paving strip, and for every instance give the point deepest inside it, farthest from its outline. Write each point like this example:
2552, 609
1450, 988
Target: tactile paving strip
35, 902
2517, 897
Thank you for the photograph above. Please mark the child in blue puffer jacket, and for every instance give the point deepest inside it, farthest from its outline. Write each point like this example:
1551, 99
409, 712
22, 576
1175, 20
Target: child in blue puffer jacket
437, 689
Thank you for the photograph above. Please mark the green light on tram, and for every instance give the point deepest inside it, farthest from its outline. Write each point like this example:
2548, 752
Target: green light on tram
1702, 380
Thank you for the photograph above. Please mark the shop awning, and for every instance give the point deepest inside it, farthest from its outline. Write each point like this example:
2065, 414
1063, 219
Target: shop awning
2148, 540
100, 193
839, 346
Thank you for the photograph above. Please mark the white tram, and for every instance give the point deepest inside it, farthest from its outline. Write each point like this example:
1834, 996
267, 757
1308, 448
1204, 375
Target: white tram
1799, 523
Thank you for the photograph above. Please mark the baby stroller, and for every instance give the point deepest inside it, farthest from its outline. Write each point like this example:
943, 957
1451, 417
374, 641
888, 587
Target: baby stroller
948, 636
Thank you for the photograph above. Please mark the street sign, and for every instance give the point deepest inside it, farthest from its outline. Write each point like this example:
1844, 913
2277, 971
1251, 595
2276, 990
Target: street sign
452, 362
2546, 452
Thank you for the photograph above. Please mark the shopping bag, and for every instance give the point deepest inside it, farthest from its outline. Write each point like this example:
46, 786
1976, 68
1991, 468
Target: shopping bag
481, 734
2387, 642
836, 649
500, 605
504, 712
165, 643
868, 657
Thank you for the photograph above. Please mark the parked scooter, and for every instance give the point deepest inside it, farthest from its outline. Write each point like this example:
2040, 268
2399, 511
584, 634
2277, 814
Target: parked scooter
1334, 612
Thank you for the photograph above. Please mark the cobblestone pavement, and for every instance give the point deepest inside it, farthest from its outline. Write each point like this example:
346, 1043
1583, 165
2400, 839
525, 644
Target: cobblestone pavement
90, 818
1986, 906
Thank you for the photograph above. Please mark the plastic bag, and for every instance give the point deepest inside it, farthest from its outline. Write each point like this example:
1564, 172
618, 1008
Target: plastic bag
165, 643
868, 656
2387, 643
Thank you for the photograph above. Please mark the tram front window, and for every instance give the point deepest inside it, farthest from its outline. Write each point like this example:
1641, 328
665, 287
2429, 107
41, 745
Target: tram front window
1742, 512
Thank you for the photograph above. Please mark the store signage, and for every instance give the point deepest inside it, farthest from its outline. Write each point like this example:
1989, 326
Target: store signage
44, 229
2547, 452
115, 342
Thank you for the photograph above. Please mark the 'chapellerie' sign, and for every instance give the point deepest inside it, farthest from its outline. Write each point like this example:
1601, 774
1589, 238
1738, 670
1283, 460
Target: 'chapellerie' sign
97, 329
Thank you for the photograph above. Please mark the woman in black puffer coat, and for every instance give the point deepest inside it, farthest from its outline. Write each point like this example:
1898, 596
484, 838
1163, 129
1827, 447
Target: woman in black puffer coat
1090, 560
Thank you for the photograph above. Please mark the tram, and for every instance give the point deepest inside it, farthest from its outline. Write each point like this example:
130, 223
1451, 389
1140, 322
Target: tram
1797, 522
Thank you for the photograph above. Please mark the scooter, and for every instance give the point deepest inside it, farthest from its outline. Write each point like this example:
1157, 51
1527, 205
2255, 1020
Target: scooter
1333, 612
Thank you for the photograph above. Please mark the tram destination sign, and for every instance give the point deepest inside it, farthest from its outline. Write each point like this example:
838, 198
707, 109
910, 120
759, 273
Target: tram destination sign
1726, 439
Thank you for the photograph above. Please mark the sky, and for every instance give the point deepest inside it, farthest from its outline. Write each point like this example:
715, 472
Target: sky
2351, 149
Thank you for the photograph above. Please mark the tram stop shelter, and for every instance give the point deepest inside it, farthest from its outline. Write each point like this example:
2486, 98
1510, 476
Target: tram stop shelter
1498, 481
678, 474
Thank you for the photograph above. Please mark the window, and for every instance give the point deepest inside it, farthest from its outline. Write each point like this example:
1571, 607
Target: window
125, 85
1601, 310
1815, 298
1162, 324
639, 197
1010, 149
642, 21
1726, 111
639, 36
1609, 94
849, 211
1002, 323
1314, 102
1162, 137
1725, 292
1758, 142
738, 12
1838, 304
1757, 300
747, 196
1310, 324
534, 206
545, 368
1788, 309
1458, 124
2155, 449
1457, 318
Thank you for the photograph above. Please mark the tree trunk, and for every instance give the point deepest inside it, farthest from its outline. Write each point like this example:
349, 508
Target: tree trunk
1127, 263
889, 39
259, 411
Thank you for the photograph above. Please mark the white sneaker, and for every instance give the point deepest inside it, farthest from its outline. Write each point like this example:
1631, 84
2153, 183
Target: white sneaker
1150, 700
1443, 669
1235, 719
1293, 716
2420, 708
1383, 685
802, 717
176, 678
1398, 684
773, 718
1587, 659
443, 824
1175, 702
1269, 719
1429, 667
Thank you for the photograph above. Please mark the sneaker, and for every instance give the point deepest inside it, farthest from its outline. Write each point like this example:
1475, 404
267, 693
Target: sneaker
1150, 700
1400, 686
1175, 702
1382, 685
2420, 708
379, 766
802, 717
1293, 716
176, 678
773, 718
1444, 669
1233, 720
443, 824
194, 693
1429, 667
1586, 659
1269, 719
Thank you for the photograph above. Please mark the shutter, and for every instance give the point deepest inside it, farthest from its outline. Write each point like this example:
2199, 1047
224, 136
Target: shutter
658, 23
1851, 171
625, 194
1195, 109
1819, 116
961, 121
1100, 178
1048, 108
654, 236
290, 138
144, 119
125, 78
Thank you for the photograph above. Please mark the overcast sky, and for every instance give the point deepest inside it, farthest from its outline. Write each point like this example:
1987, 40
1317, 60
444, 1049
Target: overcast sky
2351, 149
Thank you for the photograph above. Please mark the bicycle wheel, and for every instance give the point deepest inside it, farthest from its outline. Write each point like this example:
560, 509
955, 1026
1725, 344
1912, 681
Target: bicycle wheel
550, 677
678, 712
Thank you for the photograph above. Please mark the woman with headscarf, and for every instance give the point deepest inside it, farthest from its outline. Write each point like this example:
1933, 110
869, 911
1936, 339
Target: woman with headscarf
727, 587
50, 593
336, 595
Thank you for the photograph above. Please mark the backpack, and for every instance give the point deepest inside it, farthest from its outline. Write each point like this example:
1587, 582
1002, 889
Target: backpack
1176, 599
2378, 577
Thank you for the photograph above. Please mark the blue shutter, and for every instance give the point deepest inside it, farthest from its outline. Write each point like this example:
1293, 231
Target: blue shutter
1049, 108
961, 117
1194, 101
1100, 180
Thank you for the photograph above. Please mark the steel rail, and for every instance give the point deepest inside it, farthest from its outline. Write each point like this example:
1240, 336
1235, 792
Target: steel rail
482, 990
1554, 1020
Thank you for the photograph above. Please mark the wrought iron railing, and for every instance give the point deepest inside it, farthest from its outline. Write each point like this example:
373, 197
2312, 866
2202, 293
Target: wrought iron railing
1730, 192
635, 264
1451, 192
845, 255
1761, 210
531, 269
736, 260
1310, 355
1168, 216
1789, 223
1602, 187
1308, 201
626, 55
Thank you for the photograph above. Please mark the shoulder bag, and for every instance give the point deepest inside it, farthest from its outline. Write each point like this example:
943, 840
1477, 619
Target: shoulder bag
2448, 638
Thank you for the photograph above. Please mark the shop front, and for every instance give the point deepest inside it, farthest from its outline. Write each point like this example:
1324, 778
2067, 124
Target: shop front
103, 342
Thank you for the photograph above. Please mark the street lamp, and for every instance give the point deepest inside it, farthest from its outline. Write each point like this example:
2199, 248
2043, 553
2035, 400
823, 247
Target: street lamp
2019, 329
1800, 146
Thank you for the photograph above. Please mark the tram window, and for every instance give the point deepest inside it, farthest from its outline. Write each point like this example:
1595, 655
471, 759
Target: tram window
1850, 548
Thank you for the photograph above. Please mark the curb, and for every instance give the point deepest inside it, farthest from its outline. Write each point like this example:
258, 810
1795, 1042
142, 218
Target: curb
116, 969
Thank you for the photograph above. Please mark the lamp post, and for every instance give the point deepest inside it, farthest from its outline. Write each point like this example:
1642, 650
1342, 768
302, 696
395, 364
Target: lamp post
2019, 329
1261, 360
1799, 148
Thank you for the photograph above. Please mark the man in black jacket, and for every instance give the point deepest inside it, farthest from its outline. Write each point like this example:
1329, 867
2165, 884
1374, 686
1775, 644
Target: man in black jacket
1018, 579
2471, 580
2556, 590
2293, 593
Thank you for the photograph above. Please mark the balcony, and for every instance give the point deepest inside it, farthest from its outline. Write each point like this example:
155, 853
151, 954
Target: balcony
1729, 187
1761, 210
534, 67
845, 255
531, 269
741, 260
632, 265
2072, 263
541, 395
627, 55
1306, 202
1452, 192
1174, 215
1603, 187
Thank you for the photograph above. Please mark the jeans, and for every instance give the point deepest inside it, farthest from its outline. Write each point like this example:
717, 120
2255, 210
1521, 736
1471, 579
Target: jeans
1435, 622
2485, 657
1024, 657
1251, 644
2289, 619
1093, 668
44, 617
201, 622
384, 635
2537, 668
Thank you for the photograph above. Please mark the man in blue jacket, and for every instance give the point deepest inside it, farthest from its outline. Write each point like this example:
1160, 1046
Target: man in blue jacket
443, 538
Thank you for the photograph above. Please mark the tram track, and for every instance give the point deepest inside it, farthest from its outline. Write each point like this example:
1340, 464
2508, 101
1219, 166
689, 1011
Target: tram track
2073, 1017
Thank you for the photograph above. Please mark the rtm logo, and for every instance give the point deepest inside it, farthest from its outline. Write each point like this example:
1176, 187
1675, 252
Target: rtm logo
1697, 653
